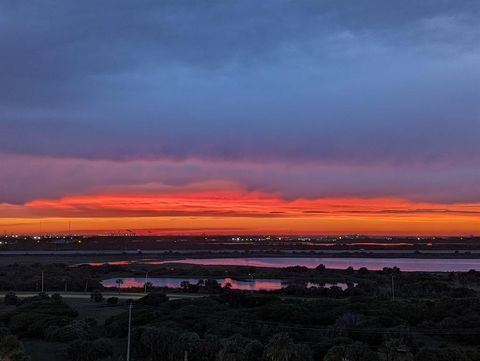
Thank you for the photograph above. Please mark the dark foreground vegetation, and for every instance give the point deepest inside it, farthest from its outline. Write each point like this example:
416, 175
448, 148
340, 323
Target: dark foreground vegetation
433, 317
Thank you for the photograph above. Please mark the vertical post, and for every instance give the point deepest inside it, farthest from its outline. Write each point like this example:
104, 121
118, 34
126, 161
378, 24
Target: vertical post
146, 281
42, 283
185, 356
129, 329
393, 289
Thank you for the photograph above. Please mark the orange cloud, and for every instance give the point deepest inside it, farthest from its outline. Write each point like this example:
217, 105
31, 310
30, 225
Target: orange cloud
235, 210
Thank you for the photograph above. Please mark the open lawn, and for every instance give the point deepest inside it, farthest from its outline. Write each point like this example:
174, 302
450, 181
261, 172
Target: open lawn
39, 350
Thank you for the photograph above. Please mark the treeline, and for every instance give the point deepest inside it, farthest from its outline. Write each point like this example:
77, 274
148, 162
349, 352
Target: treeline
302, 282
361, 282
56, 277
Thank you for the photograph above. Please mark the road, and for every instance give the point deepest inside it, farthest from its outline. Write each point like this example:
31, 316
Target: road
120, 295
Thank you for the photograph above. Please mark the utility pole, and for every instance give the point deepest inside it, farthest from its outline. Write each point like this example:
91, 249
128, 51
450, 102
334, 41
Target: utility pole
129, 329
146, 281
42, 282
393, 289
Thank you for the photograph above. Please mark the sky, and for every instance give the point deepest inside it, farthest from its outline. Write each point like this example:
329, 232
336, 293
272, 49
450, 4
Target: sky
240, 117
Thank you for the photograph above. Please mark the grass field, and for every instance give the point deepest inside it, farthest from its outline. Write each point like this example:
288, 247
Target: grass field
45, 351
100, 312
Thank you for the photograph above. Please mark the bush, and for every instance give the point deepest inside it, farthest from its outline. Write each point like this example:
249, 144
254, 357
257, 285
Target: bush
96, 296
11, 299
43, 296
103, 347
153, 299
462, 292
112, 301
56, 297
70, 332
82, 350
363, 271
34, 316
12, 349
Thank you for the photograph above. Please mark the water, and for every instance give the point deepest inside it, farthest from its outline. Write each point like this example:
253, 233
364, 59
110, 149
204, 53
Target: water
174, 282
405, 264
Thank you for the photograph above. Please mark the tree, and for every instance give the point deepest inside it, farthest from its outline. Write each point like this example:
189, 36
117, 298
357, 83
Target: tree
157, 343
302, 353
392, 350
119, 283
185, 285
358, 351
346, 322
187, 343
208, 347
11, 349
447, 354
336, 353
239, 348
363, 271
148, 286
280, 348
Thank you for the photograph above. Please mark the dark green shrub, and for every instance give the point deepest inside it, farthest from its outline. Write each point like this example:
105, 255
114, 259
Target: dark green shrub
11, 299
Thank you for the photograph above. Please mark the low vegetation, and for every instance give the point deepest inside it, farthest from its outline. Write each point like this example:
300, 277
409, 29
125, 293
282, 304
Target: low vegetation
434, 317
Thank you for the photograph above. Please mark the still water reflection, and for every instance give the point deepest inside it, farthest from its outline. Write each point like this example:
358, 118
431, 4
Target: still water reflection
173, 282
405, 264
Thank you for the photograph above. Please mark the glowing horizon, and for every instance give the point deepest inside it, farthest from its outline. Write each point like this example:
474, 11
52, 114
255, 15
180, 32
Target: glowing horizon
237, 211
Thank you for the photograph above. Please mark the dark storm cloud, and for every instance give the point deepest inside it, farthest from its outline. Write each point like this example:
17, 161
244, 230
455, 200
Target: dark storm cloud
380, 84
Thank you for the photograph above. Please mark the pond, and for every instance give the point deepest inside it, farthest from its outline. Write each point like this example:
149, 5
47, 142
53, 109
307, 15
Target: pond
175, 282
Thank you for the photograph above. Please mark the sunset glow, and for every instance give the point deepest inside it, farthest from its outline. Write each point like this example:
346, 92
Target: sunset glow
237, 211
244, 117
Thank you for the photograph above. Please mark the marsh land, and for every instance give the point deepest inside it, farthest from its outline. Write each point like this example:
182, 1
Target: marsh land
320, 313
